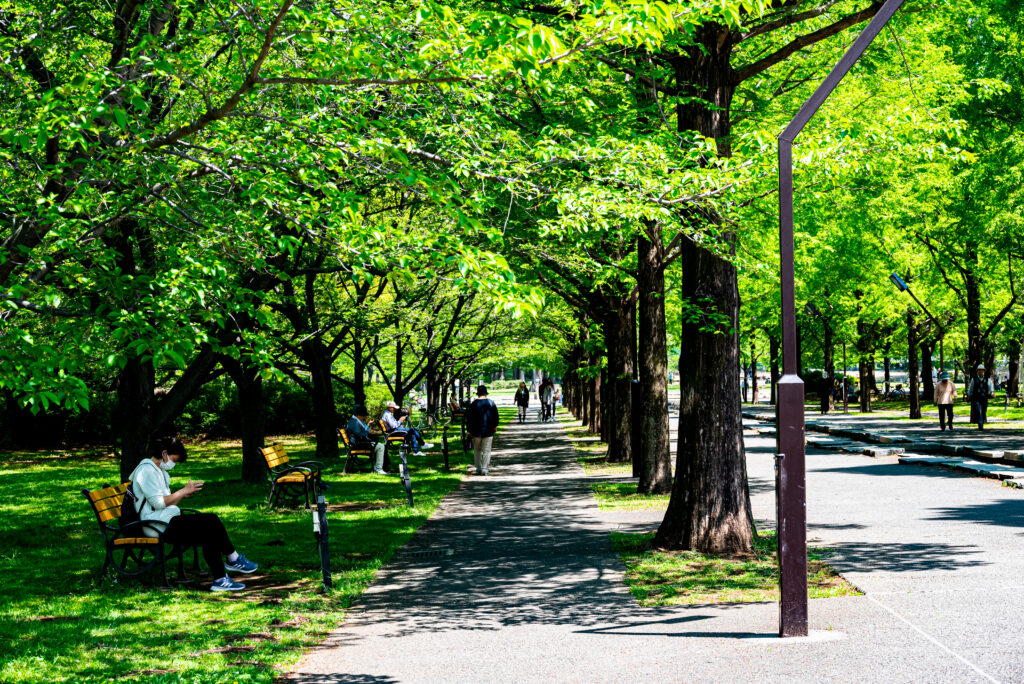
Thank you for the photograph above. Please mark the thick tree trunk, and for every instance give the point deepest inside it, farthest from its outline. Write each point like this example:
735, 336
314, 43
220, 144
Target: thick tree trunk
134, 406
655, 457
325, 415
887, 366
710, 505
912, 344
709, 509
249, 385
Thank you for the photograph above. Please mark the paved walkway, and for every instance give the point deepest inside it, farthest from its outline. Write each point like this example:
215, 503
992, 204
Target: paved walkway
531, 591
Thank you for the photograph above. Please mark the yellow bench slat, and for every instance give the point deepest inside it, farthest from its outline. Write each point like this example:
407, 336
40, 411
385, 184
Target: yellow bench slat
109, 514
135, 541
293, 477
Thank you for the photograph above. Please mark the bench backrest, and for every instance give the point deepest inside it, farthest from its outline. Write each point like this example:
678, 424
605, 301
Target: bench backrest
343, 433
106, 502
275, 454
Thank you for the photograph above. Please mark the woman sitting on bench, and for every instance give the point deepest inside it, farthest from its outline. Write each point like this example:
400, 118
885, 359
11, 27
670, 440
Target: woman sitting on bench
151, 485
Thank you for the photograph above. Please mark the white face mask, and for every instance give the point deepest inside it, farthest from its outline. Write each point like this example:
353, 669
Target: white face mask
167, 465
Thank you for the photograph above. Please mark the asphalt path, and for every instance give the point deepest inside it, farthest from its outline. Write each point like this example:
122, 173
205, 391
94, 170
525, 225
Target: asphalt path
513, 580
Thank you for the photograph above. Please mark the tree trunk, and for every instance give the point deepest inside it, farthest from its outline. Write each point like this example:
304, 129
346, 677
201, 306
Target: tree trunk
655, 457
325, 415
358, 372
927, 348
134, 406
709, 509
710, 505
975, 353
912, 343
1013, 352
886, 365
249, 384
618, 338
864, 368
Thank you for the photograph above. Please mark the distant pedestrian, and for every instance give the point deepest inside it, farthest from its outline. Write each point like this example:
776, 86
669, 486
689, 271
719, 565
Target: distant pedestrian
825, 390
979, 390
522, 400
546, 394
482, 423
945, 397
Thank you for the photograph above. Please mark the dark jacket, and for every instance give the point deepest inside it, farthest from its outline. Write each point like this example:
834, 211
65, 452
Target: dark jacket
522, 397
482, 418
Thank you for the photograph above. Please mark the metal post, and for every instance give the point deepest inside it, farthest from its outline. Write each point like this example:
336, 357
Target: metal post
790, 480
322, 538
845, 405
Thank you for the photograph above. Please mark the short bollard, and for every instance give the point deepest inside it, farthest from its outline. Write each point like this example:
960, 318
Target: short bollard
321, 534
405, 475
444, 446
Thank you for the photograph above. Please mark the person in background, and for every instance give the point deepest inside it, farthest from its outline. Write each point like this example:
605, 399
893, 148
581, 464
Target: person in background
393, 417
482, 423
979, 390
546, 394
151, 485
359, 432
522, 400
945, 397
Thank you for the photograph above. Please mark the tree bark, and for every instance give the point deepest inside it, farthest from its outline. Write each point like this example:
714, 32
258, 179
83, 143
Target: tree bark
134, 407
618, 337
655, 457
928, 382
325, 415
249, 385
709, 509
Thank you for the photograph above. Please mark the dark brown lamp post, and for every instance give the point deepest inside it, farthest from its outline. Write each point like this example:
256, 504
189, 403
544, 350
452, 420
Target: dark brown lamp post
790, 481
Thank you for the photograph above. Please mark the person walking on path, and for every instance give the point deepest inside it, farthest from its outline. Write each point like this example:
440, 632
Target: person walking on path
979, 390
945, 397
482, 423
522, 400
546, 393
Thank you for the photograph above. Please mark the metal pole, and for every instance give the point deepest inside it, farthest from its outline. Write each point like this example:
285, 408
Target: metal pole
845, 405
791, 495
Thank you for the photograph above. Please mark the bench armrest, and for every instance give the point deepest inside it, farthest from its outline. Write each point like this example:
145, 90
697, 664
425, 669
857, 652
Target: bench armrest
316, 465
138, 528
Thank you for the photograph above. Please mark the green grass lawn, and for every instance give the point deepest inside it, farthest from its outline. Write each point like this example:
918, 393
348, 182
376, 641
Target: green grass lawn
668, 578
622, 496
58, 623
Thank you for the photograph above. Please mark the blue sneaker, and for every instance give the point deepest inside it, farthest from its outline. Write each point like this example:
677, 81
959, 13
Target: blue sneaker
242, 565
225, 584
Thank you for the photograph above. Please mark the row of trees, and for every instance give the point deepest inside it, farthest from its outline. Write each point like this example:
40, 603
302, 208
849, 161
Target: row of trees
268, 189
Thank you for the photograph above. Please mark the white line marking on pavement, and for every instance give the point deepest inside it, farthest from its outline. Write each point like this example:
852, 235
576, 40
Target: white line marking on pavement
934, 640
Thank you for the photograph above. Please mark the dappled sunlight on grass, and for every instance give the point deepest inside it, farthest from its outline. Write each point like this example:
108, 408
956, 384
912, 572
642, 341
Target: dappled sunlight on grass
60, 624
622, 496
665, 578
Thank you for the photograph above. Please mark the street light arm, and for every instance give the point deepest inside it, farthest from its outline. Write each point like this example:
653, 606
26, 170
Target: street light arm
928, 313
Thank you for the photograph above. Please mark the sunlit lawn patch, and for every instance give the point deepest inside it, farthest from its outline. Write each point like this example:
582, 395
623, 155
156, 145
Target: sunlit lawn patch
665, 578
58, 624
622, 496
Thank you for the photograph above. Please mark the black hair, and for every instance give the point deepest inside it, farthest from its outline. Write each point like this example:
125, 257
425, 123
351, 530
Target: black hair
360, 410
172, 445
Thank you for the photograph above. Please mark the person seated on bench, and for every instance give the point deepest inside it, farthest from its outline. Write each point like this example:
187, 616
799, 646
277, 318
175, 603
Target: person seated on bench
151, 485
359, 432
392, 419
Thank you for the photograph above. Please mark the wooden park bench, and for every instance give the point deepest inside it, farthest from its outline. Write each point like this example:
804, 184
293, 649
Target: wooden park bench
290, 482
354, 449
128, 549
